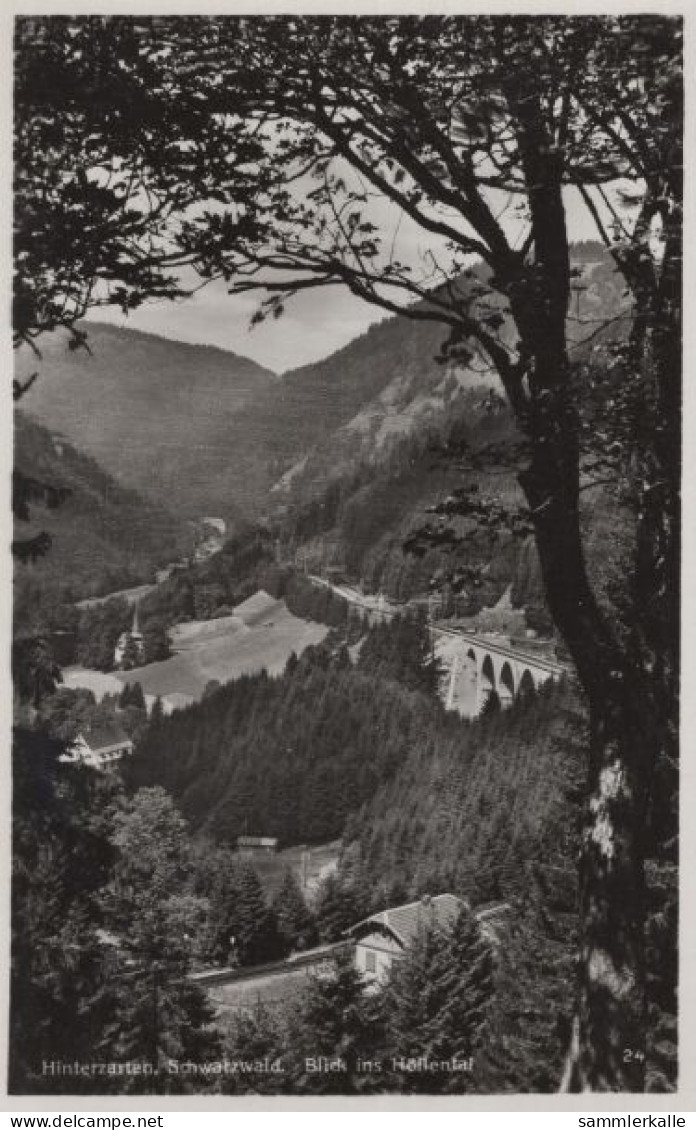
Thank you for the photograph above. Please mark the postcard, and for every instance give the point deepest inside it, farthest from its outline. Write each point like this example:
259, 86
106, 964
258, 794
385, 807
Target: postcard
347, 557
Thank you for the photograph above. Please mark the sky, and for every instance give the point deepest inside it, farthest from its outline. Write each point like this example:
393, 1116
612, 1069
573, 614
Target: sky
315, 324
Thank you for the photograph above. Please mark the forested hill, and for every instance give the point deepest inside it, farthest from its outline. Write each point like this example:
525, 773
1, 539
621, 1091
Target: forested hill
381, 384
155, 413
104, 536
355, 502
410, 390
363, 523
290, 757
426, 794
472, 816
205, 431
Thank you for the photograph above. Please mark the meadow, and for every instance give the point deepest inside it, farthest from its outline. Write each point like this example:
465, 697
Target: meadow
308, 863
260, 634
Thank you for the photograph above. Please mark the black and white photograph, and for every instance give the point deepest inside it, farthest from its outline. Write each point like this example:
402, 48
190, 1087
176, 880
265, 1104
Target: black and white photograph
346, 554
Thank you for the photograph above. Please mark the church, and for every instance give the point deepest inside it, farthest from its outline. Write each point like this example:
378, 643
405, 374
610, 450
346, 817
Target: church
130, 641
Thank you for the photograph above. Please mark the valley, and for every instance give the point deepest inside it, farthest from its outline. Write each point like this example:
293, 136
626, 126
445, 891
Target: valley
371, 710
353, 662
201, 430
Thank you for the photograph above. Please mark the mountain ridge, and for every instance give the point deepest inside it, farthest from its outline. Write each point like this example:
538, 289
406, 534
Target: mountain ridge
201, 430
154, 413
104, 536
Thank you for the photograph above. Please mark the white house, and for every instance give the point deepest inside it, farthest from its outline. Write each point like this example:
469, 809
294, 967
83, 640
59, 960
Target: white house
100, 746
383, 937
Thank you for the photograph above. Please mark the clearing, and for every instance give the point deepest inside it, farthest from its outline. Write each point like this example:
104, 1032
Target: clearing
309, 864
261, 633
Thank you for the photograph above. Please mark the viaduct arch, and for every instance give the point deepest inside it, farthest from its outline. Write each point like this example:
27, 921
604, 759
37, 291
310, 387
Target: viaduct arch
478, 668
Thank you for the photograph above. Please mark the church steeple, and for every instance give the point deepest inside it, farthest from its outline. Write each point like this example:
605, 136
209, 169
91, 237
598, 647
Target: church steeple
135, 632
127, 639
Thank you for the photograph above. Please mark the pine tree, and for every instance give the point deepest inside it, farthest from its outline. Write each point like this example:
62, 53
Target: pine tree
156, 714
131, 654
61, 860
663, 966
402, 650
340, 1019
295, 923
491, 705
438, 999
258, 1036
530, 1018
158, 1015
220, 927
336, 908
155, 642
255, 931
137, 697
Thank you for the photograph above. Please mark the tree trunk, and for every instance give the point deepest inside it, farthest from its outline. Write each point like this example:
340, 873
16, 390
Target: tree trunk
609, 1049
611, 1010
609, 1052
630, 683
632, 688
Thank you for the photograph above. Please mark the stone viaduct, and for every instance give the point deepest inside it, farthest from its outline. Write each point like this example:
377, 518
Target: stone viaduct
478, 666
475, 665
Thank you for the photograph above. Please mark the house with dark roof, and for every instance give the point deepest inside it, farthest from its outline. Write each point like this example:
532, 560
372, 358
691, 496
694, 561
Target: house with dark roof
383, 937
100, 746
